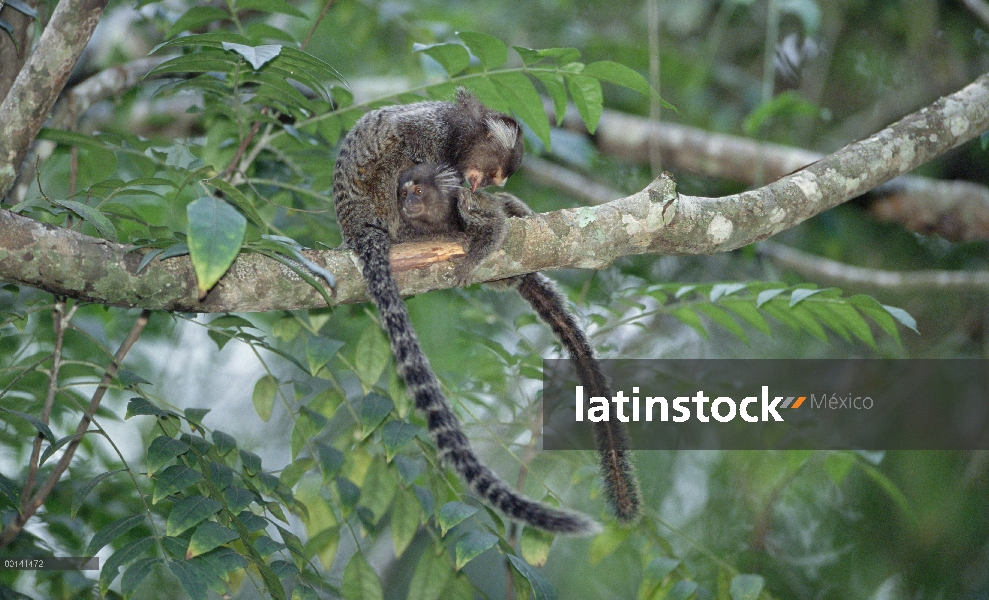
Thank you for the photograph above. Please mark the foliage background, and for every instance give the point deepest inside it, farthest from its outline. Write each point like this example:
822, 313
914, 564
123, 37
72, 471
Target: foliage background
812, 525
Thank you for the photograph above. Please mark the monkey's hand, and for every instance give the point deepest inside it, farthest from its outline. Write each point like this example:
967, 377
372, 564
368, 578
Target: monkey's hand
462, 273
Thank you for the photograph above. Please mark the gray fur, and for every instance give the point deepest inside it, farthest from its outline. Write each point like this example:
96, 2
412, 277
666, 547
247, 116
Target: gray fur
382, 145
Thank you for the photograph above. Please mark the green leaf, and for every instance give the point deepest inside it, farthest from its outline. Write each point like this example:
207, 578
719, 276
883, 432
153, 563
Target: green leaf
195, 416
162, 450
894, 492
137, 573
471, 545
238, 499
378, 490
294, 471
35, 421
432, 574
788, 103
534, 545
800, 294
111, 532
91, 216
224, 442
542, 589
216, 231
491, 51
767, 295
324, 545
130, 378
587, 96
871, 308
174, 479
744, 309
360, 582
405, 520
80, 496
374, 409
189, 512
453, 513
804, 319
267, 546
54, 447
454, 58
319, 351
251, 462
682, 590
720, 290
203, 62
557, 90
258, 56
194, 580
10, 490
240, 200
307, 427
487, 92
208, 536
425, 498
330, 461
746, 587
372, 356
837, 465
123, 556
687, 316
613, 72
272, 6
264, 396
524, 100
853, 321
903, 317
220, 475
195, 18
302, 592
396, 434
607, 542
723, 318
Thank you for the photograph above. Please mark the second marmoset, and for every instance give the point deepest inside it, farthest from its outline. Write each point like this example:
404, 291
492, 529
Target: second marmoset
432, 204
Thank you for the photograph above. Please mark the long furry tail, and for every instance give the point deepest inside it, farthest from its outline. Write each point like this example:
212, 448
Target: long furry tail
452, 444
620, 483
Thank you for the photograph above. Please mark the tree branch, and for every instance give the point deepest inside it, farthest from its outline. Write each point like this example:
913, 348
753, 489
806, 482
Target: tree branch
101, 86
28, 509
845, 275
956, 210
654, 220
40, 81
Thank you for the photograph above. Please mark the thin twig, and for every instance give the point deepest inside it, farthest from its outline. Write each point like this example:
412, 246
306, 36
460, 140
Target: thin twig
28, 510
60, 322
316, 23
232, 165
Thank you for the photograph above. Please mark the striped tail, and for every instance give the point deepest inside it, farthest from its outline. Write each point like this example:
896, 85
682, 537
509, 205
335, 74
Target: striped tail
620, 484
452, 444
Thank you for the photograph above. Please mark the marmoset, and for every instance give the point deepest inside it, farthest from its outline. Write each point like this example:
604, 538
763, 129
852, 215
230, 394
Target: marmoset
485, 147
434, 204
